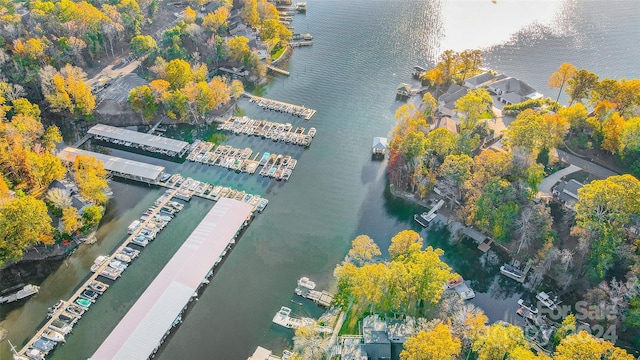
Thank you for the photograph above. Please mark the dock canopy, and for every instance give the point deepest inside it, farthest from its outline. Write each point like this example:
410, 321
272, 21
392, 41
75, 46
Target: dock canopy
128, 169
140, 140
143, 329
379, 145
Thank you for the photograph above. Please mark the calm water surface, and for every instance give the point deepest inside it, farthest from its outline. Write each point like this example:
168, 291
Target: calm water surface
361, 51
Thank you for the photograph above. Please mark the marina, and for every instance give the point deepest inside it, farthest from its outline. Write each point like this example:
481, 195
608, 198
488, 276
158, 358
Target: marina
279, 167
279, 106
144, 328
243, 125
134, 139
87, 293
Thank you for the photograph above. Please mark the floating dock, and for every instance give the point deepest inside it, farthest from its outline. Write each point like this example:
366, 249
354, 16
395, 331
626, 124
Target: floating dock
160, 308
137, 140
243, 125
306, 289
284, 319
301, 43
278, 70
279, 106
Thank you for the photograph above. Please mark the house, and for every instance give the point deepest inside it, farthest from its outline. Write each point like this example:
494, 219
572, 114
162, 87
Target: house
479, 81
512, 91
379, 146
446, 122
379, 340
567, 192
447, 101
376, 342
263, 354
404, 89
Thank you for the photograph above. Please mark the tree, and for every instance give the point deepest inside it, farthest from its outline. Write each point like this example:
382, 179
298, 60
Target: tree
403, 242
575, 114
496, 209
92, 215
495, 342
472, 106
556, 129
24, 222
310, 343
215, 20
436, 77
441, 142
579, 86
527, 132
236, 89
363, 250
238, 49
66, 90
142, 44
612, 132
70, 220
437, 344
429, 105
630, 138
250, 13
178, 73
142, 101
584, 346
558, 79
91, 177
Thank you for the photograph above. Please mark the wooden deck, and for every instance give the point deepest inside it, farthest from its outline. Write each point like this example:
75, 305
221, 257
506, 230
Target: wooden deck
279, 106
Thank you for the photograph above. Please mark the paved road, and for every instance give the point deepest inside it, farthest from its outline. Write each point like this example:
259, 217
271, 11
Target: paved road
549, 181
588, 166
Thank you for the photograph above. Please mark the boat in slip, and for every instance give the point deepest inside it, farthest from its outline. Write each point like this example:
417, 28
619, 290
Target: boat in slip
98, 262
44, 345
140, 240
54, 309
32, 353
425, 218
304, 282
25, 292
547, 300
133, 226
98, 287
75, 310
83, 302
111, 273
123, 258
60, 326
89, 295
118, 265
263, 204
53, 335
528, 306
312, 132
510, 271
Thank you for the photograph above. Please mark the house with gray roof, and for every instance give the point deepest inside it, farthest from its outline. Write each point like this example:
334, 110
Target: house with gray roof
447, 101
567, 192
512, 91
479, 81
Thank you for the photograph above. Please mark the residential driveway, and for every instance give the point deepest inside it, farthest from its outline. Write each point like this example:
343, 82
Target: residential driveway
548, 182
586, 165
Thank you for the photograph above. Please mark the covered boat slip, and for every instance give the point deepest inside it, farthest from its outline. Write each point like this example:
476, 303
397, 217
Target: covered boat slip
128, 169
143, 328
153, 143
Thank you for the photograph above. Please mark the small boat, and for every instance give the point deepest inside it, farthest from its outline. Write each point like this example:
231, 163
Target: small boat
132, 253
546, 300
263, 204
118, 265
99, 261
60, 326
54, 309
44, 345
111, 273
304, 282
98, 287
33, 354
75, 310
424, 219
25, 292
511, 272
133, 226
123, 258
83, 302
140, 240
68, 318
53, 335
532, 308
89, 295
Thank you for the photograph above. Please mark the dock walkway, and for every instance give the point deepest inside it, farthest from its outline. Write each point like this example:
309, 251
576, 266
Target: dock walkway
278, 70
243, 125
94, 276
279, 106
306, 289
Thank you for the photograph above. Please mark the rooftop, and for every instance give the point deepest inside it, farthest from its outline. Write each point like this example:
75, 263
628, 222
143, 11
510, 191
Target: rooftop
136, 137
139, 333
380, 143
115, 164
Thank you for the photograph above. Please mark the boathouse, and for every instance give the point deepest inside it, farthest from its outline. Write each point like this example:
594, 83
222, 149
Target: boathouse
135, 139
124, 168
144, 328
404, 90
379, 146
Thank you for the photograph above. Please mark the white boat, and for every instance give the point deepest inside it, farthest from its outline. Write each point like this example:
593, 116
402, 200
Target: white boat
44, 345
133, 226
111, 273
546, 300
304, 282
99, 261
26, 291
54, 309
60, 326
425, 218
528, 306
33, 354
312, 132
122, 257
98, 287
53, 335
511, 272
118, 265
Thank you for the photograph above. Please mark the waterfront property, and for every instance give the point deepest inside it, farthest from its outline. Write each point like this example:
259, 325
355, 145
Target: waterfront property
138, 140
379, 147
375, 339
306, 289
127, 169
143, 329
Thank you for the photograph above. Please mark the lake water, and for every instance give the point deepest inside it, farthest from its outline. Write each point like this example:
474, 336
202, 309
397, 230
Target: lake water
362, 49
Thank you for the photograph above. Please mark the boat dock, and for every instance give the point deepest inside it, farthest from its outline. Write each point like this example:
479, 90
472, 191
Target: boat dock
284, 319
301, 43
145, 327
93, 278
278, 70
186, 188
306, 289
279, 167
137, 140
279, 106
243, 125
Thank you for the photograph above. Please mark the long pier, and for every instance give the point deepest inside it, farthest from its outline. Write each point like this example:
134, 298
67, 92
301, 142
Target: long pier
278, 70
93, 276
279, 106
243, 125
